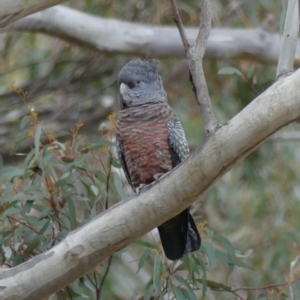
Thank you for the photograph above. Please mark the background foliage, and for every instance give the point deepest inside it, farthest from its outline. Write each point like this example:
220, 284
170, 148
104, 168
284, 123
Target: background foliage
58, 167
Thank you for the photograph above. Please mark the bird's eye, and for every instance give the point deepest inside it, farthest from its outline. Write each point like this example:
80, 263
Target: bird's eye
138, 81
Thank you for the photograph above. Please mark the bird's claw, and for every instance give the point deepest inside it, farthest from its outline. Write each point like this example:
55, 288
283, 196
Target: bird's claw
139, 188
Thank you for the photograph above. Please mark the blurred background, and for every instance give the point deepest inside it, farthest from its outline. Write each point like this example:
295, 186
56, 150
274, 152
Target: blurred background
255, 206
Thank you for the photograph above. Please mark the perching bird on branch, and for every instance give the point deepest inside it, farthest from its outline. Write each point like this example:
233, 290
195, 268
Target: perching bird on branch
150, 142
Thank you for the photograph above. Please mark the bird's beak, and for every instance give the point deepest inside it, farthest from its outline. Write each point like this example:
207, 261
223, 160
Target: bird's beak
123, 89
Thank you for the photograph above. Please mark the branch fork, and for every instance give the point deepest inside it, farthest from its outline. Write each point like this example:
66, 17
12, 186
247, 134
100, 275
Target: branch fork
195, 56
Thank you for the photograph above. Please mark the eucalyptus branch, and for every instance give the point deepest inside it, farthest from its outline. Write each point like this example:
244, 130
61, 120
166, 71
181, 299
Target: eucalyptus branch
12, 10
195, 56
288, 40
139, 39
179, 24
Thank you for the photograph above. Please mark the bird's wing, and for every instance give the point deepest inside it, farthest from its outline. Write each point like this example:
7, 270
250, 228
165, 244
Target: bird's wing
178, 144
179, 235
120, 152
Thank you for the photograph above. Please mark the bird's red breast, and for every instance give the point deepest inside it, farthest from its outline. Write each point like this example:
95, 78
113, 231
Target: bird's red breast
144, 136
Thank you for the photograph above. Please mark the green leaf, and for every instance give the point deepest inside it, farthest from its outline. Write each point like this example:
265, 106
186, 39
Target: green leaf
209, 250
200, 262
116, 163
96, 144
1, 162
44, 228
60, 145
230, 260
81, 198
157, 270
190, 291
28, 206
208, 232
250, 71
177, 291
245, 255
87, 186
146, 244
119, 185
101, 177
64, 176
187, 263
11, 211
37, 137
95, 190
44, 211
24, 121
72, 213
230, 71
28, 158
7, 251
297, 283
39, 208
296, 289
10, 172
226, 243
46, 160
143, 258
149, 290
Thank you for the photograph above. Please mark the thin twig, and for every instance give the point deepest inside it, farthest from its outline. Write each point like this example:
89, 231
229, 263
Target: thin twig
23, 223
104, 276
91, 281
288, 40
69, 292
178, 22
266, 287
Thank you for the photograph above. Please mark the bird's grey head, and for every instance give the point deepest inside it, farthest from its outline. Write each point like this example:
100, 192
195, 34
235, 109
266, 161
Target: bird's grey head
140, 83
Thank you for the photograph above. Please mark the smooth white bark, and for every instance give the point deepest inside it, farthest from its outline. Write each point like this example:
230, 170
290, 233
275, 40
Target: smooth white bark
115, 36
12, 10
86, 247
289, 40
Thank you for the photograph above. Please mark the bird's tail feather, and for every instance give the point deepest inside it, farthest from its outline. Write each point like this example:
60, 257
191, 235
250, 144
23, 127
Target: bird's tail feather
179, 235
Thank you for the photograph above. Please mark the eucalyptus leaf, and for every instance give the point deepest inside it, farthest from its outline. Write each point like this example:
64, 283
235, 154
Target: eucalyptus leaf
230, 71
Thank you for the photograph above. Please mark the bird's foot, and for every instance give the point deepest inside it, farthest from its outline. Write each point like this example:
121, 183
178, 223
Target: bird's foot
139, 188
157, 176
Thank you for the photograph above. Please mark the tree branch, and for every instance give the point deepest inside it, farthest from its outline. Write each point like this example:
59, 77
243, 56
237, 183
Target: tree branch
195, 56
289, 40
13, 10
115, 36
86, 247
178, 22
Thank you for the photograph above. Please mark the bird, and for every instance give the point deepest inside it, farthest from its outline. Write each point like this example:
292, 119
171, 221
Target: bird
151, 142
